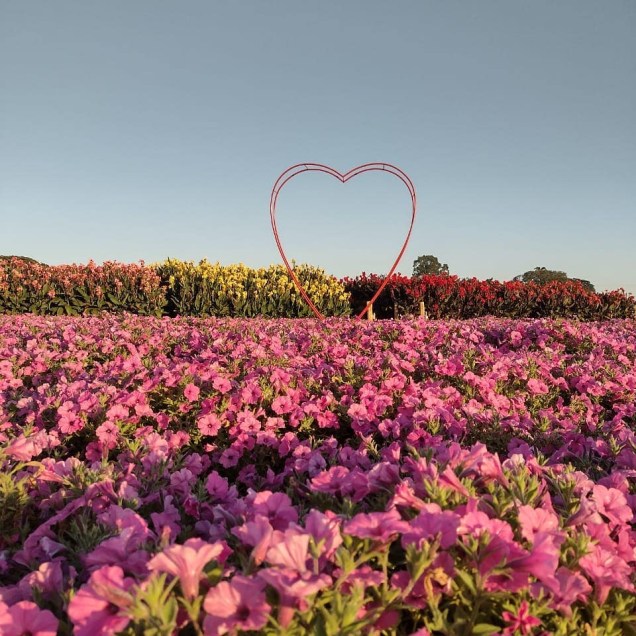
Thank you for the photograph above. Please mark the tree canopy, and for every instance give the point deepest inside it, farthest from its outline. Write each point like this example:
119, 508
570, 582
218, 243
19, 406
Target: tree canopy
429, 264
542, 276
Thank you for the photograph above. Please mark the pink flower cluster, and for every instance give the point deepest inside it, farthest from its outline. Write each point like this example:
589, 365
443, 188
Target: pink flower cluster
338, 477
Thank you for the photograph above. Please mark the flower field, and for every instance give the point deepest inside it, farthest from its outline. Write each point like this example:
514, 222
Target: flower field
225, 476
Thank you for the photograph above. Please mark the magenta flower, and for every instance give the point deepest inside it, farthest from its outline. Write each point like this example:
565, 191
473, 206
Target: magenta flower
330, 481
100, 606
217, 486
569, 588
48, 579
26, 618
222, 385
612, 504
108, 434
520, 623
534, 520
191, 392
542, 561
606, 571
257, 534
235, 605
430, 523
292, 575
282, 404
187, 562
123, 550
379, 526
275, 506
325, 529
209, 424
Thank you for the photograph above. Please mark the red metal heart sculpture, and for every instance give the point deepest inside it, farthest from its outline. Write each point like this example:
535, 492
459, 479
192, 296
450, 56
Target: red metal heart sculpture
290, 173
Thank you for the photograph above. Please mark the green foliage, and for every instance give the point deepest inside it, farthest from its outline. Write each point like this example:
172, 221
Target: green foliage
543, 276
73, 290
154, 609
429, 265
14, 499
207, 289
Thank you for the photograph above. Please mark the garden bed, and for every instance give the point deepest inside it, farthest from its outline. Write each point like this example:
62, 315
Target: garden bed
299, 477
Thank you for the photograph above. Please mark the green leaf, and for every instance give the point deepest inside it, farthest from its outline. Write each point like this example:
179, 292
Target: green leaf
486, 628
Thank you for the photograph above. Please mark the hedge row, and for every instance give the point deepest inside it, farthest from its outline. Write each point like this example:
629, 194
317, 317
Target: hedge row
236, 290
183, 288
71, 290
169, 288
452, 297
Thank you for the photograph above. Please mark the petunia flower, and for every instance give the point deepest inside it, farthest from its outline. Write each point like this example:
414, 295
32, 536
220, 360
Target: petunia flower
612, 504
432, 522
235, 605
291, 574
100, 606
25, 618
379, 526
275, 506
187, 562
606, 571
191, 392
257, 534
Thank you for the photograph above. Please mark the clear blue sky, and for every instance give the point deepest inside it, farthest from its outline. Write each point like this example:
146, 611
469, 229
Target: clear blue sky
144, 129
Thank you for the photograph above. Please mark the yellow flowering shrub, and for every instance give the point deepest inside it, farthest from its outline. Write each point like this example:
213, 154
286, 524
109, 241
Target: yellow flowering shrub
212, 289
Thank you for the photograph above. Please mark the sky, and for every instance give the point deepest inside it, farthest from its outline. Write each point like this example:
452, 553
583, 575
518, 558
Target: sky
151, 129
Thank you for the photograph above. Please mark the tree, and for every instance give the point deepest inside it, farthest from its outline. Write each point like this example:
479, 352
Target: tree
22, 258
542, 276
428, 264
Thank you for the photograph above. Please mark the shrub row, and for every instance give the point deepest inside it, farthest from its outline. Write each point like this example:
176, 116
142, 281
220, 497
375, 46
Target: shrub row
169, 288
183, 288
30, 287
452, 297
236, 290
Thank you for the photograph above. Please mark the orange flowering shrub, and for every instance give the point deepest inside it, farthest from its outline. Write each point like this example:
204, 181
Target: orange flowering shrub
72, 290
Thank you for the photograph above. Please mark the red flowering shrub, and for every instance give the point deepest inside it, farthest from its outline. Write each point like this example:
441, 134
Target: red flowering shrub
450, 297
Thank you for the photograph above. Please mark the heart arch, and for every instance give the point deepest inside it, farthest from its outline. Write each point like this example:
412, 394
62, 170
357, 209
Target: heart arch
299, 168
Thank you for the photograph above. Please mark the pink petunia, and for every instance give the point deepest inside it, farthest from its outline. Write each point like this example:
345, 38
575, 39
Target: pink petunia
537, 387
432, 522
325, 529
258, 535
209, 424
123, 550
100, 606
606, 571
187, 562
48, 579
379, 526
275, 506
235, 605
282, 404
26, 617
533, 520
612, 504
222, 385
291, 574
108, 434
568, 588
543, 559
25, 448
191, 392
